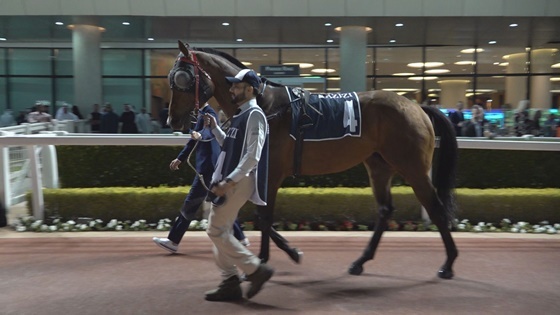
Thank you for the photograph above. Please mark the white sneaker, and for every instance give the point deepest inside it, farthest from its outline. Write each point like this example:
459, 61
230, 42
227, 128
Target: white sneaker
166, 244
245, 242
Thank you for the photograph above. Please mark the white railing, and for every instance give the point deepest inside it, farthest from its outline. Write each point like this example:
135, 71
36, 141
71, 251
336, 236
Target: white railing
50, 168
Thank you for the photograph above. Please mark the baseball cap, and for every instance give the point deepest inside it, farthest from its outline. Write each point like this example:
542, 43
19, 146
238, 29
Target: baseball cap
246, 75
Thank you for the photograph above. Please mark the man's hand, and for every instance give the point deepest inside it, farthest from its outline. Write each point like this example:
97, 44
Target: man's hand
195, 135
174, 165
222, 188
209, 121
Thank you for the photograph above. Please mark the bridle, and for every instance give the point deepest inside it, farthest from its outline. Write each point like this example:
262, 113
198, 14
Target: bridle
193, 69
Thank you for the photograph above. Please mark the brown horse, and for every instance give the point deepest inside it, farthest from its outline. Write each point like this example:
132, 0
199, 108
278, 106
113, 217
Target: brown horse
397, 137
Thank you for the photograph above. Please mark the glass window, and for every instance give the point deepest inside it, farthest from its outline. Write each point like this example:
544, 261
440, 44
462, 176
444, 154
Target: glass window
396, 60
64, 62
442, 61
24, 92
255, 58
123, 91
65, 91
2, 61
495, 60
29, 61
3, 95
122, 62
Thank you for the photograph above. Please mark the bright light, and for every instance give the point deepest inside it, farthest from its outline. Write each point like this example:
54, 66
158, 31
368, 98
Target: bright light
225, 24
322, 70
403, 74
556, 65
465, 63
430, 64
422, 78
328, 24
247, 63
150, 38
492, 42
330, 40
513, 25
58, 23
555, 79
334, 79
239, 40
399, 25
3, 38
302, 65
471, 50
392, 41
125, 23
436, 71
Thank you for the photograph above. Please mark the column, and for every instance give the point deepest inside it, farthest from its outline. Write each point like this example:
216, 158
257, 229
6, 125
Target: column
452, 92
541, 60
353, 42
516, 87
86, 49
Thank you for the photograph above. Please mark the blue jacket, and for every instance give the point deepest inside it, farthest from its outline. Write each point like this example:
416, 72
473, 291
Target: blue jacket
207, 150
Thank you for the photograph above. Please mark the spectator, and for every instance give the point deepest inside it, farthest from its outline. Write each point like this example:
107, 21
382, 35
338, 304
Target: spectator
536, 123
109, 120
476, 125
7, 119
21, 117
457, 118
95, 119
549, 126
522, 123
144, 121
163, 114
76, 111
40, 115
128, 120
64, 114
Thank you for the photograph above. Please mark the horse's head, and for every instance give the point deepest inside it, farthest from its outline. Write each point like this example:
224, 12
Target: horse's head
191, 87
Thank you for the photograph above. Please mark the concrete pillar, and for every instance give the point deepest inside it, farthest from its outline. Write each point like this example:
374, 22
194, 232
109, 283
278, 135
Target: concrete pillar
86, 49
541, 60
353, 42
452, 91
516, 87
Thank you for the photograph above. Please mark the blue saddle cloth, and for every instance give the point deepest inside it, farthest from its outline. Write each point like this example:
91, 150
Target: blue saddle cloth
341, 116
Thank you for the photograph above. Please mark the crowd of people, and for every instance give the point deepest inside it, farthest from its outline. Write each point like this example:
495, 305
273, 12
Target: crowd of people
102, 119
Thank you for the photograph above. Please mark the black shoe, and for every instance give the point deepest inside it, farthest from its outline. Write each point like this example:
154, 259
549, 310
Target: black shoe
258, 278
228, 290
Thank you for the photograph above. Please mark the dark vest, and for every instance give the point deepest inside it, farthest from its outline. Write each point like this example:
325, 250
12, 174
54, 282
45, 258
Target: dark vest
233, 148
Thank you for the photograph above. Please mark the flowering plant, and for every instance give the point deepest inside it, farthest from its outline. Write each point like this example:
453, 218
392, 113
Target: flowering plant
29, 223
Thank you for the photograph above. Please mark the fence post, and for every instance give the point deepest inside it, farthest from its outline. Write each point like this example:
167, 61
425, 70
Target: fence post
50, 166
36, 184
5, 191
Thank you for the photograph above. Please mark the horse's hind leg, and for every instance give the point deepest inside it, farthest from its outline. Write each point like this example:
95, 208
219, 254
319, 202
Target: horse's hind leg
380, 175
426, 193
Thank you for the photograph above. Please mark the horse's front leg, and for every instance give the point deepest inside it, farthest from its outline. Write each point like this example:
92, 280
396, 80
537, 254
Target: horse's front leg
265, 224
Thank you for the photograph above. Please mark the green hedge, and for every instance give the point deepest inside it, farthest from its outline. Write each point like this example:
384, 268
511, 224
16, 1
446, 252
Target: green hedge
144, 166
305, 204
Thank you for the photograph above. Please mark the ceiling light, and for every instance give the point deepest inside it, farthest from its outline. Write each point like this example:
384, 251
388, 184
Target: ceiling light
58, 23
334, 79
492, 42
472, 50
422, 78
403, 73
322, 70
330, 40
303, 65
247, 63
3, 38
400, 89
436, 71
555, 79
556, 65
328, 24
392, 41
399, 24
497, 63
513, 25
465, 63
430, 64
125, 23
225, 24
150, 38
503, 64
333, 89
366, 28
239, 40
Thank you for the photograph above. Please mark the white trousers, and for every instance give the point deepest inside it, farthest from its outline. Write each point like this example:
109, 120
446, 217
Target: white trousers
228, 251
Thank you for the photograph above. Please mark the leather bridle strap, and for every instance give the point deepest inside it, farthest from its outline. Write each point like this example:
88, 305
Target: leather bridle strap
197, 69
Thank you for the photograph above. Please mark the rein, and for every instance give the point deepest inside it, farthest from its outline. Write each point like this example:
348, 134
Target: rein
197, 70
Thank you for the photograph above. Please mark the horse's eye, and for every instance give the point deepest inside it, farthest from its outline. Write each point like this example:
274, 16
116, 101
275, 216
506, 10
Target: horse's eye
181, 79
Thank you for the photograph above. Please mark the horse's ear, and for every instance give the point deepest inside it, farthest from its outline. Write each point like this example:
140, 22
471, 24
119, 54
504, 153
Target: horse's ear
185, 49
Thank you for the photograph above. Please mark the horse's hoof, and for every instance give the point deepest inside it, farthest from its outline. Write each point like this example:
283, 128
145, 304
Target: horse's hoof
355, 269
445, 273
296, 255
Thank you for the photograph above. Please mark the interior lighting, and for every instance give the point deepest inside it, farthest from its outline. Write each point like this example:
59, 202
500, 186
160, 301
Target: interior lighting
400, 89
330, 40
58, 23
430, 64
513, 25
399, 25
555, 79
465, 63
323, 70
423, 78
392, 41
492, 42
3, 38
125, 23
333, 89
239, 40
333, 78
366, 28
150, 38
72, 26
556, 65
401, 74
503, 64
472, 50
247, 63
436, 71
303, 65
328, 24
225, 24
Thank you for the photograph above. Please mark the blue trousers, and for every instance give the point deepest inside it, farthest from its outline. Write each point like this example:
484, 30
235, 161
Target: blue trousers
192, 202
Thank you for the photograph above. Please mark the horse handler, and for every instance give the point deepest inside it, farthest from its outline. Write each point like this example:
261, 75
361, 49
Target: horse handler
240, 175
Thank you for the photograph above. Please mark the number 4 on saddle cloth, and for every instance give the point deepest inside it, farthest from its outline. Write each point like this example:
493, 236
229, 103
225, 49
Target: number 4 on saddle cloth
317, 117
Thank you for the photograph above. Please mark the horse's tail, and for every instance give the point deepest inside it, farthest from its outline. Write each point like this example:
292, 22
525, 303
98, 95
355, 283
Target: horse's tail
444, 176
